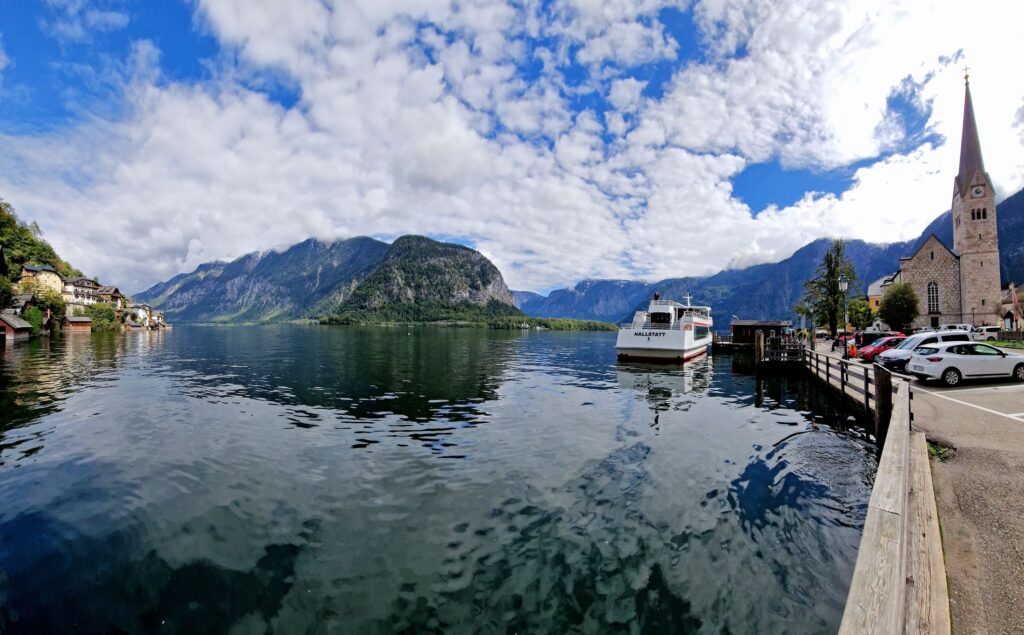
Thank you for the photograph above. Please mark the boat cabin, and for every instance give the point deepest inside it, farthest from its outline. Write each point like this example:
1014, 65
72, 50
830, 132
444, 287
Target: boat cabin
668, 314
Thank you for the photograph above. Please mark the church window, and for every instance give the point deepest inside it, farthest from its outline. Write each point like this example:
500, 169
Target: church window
933, 297
984, 213
983, 302
972, 215
933, 255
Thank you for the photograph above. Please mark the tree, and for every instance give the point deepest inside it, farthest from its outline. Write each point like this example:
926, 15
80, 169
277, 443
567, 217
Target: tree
104, 317
33, 316
860, 313
5, 293
899, 306
822, 299
50, 299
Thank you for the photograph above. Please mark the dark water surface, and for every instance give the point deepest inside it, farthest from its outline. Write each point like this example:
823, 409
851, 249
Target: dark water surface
300, 479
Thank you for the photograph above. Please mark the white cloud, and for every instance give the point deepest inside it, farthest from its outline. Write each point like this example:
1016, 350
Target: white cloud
79, 20
412, 117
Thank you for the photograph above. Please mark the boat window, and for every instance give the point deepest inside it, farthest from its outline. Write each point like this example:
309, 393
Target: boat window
700, 332
661, 318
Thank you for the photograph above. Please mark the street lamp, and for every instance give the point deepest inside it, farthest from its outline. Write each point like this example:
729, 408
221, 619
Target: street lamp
844, 284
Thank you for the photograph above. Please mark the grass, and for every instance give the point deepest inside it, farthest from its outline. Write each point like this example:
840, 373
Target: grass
1007, 344
940, 452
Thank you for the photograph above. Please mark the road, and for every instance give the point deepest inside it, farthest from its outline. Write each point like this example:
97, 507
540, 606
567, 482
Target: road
980, 498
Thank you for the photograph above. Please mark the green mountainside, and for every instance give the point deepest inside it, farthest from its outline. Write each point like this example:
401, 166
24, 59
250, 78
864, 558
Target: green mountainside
423, 280
22, 244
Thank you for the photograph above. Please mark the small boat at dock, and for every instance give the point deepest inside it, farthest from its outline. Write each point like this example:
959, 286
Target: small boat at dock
667, 331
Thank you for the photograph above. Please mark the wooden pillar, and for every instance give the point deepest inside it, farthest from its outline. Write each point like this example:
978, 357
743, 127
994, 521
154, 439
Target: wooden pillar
883, 403
758, 346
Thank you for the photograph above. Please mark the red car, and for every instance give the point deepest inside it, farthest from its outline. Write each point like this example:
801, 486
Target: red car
869, 352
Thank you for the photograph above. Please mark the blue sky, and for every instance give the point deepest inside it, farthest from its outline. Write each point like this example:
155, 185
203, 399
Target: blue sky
564, 139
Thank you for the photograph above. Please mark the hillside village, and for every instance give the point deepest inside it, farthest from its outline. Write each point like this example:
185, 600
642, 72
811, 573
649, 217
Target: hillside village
43, 301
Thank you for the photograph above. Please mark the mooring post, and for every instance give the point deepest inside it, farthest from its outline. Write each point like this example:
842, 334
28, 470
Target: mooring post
758, 346
883, 403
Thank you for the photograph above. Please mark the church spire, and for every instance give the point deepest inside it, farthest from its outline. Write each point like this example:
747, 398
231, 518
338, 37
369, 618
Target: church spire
970, 147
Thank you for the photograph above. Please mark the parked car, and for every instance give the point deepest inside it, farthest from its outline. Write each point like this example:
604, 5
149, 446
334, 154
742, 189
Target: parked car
986, 333
956, 327
896, 358
952, 362
869, 352
864, 338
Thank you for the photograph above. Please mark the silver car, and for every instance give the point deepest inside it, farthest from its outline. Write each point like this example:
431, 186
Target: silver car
896, 358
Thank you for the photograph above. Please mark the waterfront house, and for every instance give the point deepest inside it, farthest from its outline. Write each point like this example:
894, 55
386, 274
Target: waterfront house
111, 296
40, 278
80, 292
132, 325
14, 328
78, 324
158, 320
743, 330
21, 301
141, 313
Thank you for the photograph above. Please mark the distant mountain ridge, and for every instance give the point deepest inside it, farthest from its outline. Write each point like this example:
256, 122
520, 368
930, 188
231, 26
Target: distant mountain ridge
362, 279
768, 290
304, 281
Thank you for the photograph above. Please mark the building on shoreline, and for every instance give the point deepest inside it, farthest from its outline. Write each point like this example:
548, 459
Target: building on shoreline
960, 284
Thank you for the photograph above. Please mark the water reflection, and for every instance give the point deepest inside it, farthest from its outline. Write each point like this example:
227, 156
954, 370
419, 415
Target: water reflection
287, 479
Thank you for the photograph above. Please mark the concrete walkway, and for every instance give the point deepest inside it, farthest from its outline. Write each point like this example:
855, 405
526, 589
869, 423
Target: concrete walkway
980, 498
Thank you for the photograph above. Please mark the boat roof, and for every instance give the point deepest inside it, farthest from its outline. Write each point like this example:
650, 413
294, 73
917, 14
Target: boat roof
678, 305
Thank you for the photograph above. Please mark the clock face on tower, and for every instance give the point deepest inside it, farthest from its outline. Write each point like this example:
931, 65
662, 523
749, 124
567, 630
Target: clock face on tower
978, 191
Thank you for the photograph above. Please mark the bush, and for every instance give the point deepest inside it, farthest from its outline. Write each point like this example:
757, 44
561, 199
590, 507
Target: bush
33, 316
104, 317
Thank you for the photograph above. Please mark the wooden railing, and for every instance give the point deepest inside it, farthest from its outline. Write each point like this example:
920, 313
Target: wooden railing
1011, 336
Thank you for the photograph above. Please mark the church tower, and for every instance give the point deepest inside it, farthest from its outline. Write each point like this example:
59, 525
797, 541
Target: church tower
974, 227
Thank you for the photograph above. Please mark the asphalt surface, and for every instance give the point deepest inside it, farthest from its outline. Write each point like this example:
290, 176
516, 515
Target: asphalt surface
979, 492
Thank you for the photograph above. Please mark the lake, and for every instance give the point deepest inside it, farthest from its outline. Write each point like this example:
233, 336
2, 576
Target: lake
299, 479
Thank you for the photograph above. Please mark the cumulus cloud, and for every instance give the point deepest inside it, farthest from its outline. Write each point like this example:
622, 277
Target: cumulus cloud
417, 116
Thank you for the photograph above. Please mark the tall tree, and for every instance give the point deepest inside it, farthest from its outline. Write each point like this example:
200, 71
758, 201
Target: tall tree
899, 306
822, 298
860, 313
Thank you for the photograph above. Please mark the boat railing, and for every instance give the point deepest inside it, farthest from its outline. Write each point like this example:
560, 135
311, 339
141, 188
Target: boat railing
651, 326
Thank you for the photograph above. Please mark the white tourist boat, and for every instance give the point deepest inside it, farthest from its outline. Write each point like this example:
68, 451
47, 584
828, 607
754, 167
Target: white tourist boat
666, 331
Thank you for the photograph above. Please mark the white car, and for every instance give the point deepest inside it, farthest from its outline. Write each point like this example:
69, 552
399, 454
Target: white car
956, 327
986, 333
896, 358
952, 362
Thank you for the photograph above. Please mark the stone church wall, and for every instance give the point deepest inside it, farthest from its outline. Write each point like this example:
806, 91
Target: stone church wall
934, 263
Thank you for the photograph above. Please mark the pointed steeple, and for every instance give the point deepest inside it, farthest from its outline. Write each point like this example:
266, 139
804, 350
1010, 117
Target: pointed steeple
970, 147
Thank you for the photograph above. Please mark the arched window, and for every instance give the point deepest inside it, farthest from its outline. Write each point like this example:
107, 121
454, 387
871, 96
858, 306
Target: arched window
933, 297
984, 213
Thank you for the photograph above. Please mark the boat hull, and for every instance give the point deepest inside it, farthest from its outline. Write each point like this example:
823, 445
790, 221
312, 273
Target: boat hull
659, 345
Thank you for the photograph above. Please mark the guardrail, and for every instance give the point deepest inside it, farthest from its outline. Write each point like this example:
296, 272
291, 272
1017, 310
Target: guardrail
899, 581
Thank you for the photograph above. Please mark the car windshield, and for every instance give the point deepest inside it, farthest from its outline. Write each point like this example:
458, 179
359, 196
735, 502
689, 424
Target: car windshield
909, 342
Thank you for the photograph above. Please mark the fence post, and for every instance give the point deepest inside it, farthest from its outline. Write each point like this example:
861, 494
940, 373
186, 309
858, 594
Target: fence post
867, 390
842, 378
883, 403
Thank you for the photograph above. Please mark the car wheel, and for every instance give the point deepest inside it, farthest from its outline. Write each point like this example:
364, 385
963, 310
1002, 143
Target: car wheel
951, 377
1018, 372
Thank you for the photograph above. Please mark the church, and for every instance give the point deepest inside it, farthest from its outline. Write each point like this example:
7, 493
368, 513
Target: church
959, 285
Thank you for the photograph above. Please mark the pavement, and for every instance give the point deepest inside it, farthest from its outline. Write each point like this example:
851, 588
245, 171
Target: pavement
980, 497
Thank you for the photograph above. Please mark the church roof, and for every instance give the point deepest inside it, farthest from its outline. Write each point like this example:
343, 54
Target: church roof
970, 147
924, 242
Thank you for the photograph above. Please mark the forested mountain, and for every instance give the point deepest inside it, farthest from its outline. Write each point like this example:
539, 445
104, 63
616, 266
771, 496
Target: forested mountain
770, 290
307, 280
421, 279
359, 279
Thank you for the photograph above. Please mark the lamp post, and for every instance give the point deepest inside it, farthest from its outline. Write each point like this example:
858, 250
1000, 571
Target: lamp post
844, 284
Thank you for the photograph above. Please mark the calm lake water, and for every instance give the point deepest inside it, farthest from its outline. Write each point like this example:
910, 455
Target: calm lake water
308, 479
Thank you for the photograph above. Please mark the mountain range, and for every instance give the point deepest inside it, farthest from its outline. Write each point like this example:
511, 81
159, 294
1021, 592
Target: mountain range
419, 279
358, 279
768, 291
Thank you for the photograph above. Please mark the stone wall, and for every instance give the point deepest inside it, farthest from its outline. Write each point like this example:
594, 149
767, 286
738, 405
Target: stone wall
933, 262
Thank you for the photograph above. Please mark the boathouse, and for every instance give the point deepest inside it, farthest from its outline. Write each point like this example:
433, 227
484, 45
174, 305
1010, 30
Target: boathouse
79, 324
743, 330
14, 328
